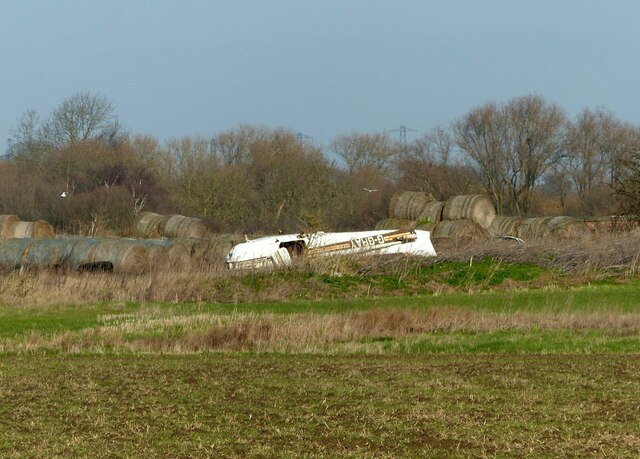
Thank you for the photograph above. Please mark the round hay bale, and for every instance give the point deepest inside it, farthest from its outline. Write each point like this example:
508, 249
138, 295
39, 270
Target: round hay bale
158, 257
568, 227
426, 227
458, 229
535, 227
408, 205
179, 255
13, 252
217, 248
7, 224
475, 207
158, 252
505, 226
395, 223
150, 224
123, 254
431, 212
37, 229
179, 226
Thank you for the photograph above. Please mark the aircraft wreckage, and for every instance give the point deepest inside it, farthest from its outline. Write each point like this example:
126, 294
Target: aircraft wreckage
280, 250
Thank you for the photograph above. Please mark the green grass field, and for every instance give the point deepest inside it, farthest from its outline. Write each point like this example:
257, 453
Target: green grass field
497, 364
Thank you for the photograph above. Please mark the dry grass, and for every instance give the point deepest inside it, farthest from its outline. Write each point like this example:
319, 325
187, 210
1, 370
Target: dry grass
167, 331
599, 254
585, 260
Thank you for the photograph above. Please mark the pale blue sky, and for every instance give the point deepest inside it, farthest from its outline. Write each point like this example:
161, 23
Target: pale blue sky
322, 68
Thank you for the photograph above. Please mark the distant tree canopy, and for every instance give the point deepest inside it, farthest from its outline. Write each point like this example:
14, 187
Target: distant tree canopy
525, 154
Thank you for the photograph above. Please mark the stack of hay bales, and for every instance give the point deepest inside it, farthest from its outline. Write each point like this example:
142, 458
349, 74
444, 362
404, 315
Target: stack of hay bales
12, 227
460, 219
188, 242
465, 218
152, 225
412, 210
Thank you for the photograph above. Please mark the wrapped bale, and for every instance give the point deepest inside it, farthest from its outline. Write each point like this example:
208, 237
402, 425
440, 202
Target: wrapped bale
80, 257
37, 229
395, 223
431, 212
13, 253
179, 226
151, 225
506, 226
475, 207
408, 205
49, 252
7, 224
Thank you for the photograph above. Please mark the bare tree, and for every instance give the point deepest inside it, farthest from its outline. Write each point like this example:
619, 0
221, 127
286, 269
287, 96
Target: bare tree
535, 144
428, 166
483, 136
588, 150
512, 145
82, 116
233, 146
627, 177
358, 150
435, 146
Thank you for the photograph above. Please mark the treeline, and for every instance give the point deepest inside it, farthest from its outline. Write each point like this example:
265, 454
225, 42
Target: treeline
84, 173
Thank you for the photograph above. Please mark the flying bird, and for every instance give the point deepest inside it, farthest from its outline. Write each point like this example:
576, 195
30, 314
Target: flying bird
369, 190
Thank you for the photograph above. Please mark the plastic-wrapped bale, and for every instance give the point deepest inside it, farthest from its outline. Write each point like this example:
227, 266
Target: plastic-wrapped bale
151, 225
475, 207
535, 227
50, 252
37, 229
408, 205
568, 227
395, 223
80, 257
121, 255
506, 226
13, 253
7, 224
179, 226
431, 212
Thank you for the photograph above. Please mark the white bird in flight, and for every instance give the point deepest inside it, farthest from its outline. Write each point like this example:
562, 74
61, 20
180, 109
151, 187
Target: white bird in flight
369, 190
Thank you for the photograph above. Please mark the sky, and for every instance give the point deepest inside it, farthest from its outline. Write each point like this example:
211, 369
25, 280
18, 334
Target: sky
322, 68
